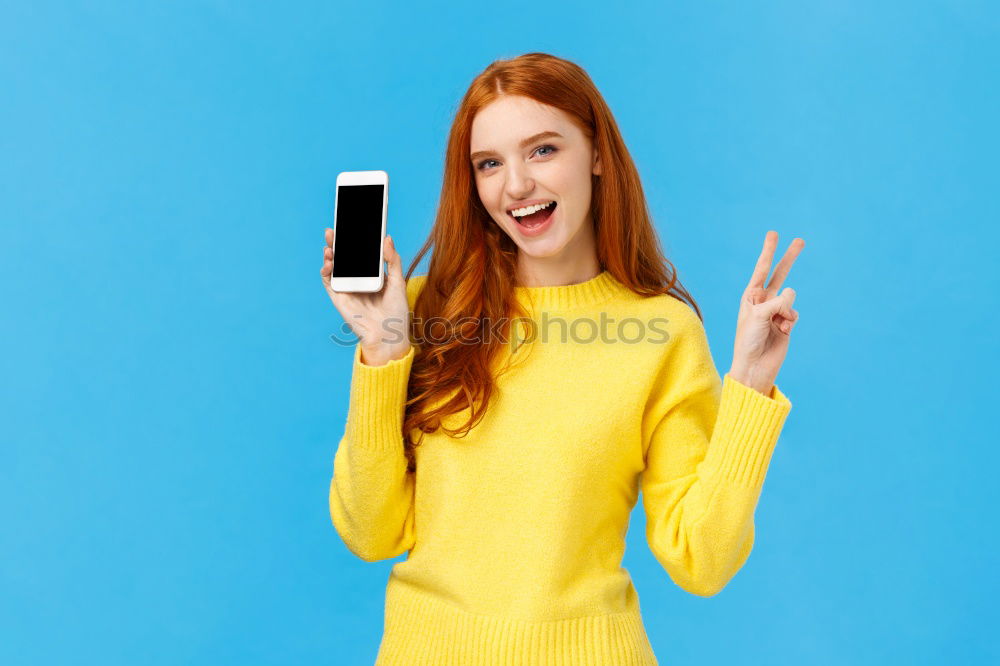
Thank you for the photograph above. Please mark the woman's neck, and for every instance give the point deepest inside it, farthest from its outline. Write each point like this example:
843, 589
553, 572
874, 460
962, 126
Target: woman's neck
575, 264
551, 274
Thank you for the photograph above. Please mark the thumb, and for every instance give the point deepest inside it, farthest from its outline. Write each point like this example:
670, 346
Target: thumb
781, 304
394, 260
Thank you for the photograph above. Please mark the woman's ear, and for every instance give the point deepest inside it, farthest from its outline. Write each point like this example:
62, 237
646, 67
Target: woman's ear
597, 163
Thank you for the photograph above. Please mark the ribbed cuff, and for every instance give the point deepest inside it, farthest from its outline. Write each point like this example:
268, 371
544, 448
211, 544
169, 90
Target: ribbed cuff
746, 432
378, 402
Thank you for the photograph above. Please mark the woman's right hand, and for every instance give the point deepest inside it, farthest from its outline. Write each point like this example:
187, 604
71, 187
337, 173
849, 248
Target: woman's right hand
380, 319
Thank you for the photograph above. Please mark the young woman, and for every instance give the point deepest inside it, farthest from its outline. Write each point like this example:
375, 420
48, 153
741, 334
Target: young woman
507, 407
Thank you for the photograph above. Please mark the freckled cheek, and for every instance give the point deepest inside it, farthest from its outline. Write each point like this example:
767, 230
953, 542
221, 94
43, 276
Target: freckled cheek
489, 198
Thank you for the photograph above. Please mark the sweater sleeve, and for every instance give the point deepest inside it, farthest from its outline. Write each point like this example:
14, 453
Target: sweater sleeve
707, 446
371, 492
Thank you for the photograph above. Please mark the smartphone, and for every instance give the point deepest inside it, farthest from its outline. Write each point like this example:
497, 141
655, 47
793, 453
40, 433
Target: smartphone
359, 217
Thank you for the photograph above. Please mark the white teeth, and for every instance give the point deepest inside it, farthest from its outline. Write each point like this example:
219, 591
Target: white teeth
521, 212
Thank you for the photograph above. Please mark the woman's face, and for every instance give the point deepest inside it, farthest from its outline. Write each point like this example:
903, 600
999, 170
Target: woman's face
514, 167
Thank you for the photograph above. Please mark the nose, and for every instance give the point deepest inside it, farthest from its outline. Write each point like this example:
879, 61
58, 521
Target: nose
519, 182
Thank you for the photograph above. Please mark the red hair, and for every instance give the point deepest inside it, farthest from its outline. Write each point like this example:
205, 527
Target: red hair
471, 277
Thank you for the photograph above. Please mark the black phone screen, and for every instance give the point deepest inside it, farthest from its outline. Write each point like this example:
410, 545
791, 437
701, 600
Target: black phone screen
358, 238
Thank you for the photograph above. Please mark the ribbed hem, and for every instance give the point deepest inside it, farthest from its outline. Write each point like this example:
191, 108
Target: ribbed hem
422, 630
746, 432
598, 289
378, 401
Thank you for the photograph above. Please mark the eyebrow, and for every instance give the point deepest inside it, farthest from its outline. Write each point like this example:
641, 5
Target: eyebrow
524, 144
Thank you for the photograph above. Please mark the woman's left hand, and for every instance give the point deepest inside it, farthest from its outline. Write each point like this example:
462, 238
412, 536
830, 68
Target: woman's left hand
765, 320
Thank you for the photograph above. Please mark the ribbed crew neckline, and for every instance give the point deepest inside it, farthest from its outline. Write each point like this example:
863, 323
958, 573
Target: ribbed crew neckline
597, 289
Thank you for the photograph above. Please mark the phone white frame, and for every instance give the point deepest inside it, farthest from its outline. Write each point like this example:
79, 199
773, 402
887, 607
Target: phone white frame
362, 284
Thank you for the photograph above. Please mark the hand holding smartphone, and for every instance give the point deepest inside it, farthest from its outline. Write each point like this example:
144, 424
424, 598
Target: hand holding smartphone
371, 301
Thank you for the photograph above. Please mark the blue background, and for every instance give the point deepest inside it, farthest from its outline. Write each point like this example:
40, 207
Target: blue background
171, 400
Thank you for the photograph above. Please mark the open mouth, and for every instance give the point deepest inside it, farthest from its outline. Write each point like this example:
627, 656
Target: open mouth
537, 218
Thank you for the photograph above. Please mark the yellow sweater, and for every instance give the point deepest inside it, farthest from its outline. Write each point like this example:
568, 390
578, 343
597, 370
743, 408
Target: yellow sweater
515, 533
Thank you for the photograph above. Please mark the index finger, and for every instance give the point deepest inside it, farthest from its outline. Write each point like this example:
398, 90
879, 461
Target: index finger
763, 266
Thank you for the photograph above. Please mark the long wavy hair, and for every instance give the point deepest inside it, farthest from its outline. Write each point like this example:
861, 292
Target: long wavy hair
472, 273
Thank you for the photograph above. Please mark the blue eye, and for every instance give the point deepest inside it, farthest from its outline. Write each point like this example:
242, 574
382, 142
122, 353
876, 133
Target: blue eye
482, 165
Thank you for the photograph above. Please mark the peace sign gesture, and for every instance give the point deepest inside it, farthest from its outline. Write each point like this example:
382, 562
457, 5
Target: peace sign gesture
765, 319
